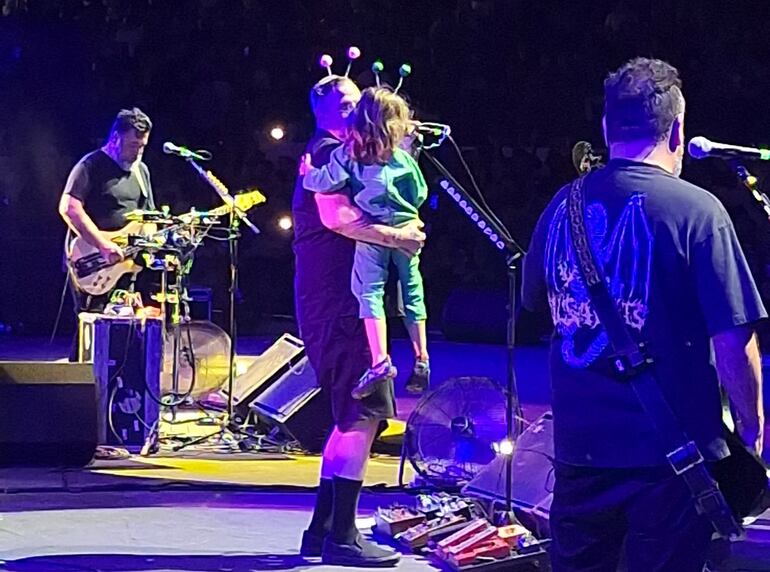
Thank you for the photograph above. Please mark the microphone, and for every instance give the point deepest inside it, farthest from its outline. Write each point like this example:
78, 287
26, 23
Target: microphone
583, 158
700, 147
170, 148
434, 129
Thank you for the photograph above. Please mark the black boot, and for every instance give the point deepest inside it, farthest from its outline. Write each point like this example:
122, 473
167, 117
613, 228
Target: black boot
321, 523
345, 546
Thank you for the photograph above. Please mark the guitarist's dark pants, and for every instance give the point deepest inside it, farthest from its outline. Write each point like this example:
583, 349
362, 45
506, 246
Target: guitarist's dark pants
145, 282
597, 514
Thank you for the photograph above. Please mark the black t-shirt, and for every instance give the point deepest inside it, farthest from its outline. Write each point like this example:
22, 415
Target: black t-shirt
676, 269
324, 259
109, 192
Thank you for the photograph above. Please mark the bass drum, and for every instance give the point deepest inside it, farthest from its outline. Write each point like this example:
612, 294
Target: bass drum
204, 358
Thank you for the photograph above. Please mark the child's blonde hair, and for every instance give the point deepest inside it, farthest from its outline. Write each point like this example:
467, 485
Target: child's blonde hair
378, 125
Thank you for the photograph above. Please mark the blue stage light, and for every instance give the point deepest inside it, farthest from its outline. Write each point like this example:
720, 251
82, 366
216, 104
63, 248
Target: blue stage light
475, 215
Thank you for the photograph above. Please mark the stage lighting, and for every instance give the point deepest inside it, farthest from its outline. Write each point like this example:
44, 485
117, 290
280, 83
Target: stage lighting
472, 211
504, 447
277, 133
285, 223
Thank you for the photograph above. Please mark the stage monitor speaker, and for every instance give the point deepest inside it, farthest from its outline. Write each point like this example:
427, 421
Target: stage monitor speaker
266, 369
294, 403
532, 476
48, 414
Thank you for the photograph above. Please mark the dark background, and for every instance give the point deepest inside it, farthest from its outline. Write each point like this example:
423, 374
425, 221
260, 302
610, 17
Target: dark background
519, 82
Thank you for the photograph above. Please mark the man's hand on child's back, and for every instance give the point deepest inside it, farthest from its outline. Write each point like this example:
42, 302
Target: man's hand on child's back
410, 238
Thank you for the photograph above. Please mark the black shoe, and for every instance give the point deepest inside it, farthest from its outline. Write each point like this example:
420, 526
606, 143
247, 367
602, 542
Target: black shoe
361, 553
374, 375
419, 381
312, 544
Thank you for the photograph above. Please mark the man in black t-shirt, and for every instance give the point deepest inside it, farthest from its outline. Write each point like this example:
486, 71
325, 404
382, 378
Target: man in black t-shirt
682, 284
326, 227
103, 187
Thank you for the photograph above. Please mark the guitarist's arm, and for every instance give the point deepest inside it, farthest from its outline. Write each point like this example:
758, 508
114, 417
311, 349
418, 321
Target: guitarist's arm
739, 365
72, 211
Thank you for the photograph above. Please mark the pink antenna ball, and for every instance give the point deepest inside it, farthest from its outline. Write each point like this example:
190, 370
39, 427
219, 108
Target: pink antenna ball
326, 61
354, 53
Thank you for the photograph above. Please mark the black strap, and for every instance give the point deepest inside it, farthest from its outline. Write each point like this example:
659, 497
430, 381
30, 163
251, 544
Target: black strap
630, 360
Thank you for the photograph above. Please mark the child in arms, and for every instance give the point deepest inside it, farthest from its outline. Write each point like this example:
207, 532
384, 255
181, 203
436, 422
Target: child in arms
386, 184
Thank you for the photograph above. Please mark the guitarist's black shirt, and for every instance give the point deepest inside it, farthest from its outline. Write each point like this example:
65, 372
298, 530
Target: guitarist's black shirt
679, 276
109, 192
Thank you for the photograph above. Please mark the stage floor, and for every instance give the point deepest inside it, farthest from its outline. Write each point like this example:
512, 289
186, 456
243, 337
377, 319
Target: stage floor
208, 511
223, 512
184, 531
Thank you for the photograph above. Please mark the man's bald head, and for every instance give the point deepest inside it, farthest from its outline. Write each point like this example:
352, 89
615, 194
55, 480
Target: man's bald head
332, 99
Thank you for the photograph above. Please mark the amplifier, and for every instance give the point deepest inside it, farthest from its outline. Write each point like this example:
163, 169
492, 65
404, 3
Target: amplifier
127, 356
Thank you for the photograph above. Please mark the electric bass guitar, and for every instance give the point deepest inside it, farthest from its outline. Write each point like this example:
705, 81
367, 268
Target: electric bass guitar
92, 274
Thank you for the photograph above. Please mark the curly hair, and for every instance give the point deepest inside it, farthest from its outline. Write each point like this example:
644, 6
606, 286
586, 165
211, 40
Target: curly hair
377, 125
641, 100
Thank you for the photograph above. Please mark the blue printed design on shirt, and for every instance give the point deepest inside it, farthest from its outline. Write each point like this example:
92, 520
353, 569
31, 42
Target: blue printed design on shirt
626, 256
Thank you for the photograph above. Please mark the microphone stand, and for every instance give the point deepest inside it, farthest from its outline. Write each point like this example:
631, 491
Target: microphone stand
502, 240
237, 215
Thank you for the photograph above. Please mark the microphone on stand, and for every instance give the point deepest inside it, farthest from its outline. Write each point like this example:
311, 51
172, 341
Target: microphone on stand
170, 148
434, 132
583, 158
700, 147
435, 129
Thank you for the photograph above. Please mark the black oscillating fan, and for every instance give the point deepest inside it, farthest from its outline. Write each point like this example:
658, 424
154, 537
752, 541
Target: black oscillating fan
450, 434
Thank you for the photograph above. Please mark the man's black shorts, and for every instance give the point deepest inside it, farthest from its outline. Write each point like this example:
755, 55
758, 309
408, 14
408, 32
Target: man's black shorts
338, 351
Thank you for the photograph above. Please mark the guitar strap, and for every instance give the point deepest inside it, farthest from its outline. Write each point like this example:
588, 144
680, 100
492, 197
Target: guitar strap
137, 171
631, 362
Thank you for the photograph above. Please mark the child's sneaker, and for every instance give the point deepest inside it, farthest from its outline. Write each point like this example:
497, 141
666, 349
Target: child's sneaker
374, 375
419, 381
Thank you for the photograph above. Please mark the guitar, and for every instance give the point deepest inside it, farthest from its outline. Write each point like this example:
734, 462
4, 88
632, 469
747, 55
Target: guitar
94, 275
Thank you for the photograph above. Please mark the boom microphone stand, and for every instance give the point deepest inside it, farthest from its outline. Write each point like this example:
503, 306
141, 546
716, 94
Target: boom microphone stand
237, 215
493, 229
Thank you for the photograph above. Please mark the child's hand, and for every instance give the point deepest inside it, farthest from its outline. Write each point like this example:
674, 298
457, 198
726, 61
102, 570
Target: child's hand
305, 164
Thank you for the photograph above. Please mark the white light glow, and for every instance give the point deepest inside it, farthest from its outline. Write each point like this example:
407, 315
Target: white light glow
277, 133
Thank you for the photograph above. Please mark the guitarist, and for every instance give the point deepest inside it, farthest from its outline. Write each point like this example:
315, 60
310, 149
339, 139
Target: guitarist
681, 282
103, 187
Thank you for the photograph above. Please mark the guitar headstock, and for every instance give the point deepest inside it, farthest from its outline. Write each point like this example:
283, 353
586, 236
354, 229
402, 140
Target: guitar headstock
243, 202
